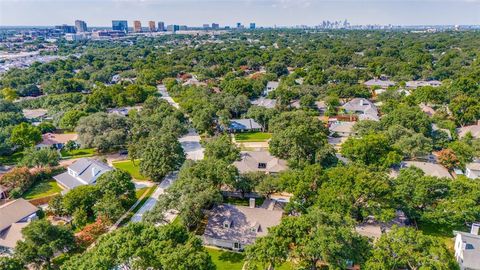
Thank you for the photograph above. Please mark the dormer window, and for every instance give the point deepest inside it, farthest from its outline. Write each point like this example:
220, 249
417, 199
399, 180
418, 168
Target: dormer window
227, 224
262, 165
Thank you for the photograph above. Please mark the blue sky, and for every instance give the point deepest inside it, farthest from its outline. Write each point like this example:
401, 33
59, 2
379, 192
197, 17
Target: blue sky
228, 12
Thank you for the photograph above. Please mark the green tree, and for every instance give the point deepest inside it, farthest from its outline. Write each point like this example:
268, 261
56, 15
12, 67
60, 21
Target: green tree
40, 157
9, 94
102, 131
297, 137
162, 155
108, 208
465, 109
25, 135
144, 246
42, 241
372, 149
70, 119
406, 248
222, 148
120, 184
7, 263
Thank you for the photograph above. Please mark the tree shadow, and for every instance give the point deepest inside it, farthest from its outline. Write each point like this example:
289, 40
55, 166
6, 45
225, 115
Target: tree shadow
231, 257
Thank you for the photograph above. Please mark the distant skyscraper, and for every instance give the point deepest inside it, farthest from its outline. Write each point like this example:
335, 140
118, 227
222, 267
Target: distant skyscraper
67, 29
151, 26
215, 26
120, 26
206, 26
161, 26
137, 26
252, 26
80, 26
173, 28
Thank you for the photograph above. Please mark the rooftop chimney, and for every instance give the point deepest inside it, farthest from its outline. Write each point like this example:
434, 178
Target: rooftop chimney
252, 203
475, 228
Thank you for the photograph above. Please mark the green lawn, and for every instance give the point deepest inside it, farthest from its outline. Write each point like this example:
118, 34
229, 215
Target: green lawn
78, 153
42, 189
128, 166
444, 233
242, 202
139, 192
227, 260
252, 137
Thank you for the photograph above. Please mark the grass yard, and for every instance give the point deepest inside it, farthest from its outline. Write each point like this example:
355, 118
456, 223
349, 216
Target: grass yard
139, 192
226, 260
252, 137
443, 233
242, 202
78, 153
42, 189
128, 166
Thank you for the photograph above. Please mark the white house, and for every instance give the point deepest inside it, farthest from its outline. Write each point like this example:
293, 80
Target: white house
84, 171
271, 86
467, 248
472, 170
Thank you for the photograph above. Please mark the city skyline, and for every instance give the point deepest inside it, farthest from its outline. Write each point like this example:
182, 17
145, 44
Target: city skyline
100, 13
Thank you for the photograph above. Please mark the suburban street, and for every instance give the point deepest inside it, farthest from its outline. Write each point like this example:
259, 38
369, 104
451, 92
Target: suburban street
150, 203
193, 150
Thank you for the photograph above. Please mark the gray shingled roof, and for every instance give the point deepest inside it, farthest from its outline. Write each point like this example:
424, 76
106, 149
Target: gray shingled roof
246, 224
14, 211
87, 170
244, 124
362, 106
250, 160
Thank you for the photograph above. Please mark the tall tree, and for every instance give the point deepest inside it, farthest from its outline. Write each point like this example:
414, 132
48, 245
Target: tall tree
406, 248
25, 135
161, 155
222, 148
42, 241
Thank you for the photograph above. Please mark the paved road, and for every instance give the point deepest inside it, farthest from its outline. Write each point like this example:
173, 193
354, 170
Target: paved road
191, 145
163, 91
150, 203
193, 149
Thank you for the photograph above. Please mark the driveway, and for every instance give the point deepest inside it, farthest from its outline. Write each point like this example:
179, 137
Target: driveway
152, 201
191, 145
163, 91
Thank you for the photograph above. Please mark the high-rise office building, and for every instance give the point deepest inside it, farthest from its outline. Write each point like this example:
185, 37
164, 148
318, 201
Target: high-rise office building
161, 26
239, 25
80, 26
173, 28
151, 26
66, 29
206, 26
215, 26
137, 26
120, 26
252, 26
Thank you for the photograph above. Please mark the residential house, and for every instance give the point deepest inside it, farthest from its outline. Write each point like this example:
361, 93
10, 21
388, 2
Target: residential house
259, 161
415, 84
473, 129
435, 128
84, 171
341, 129
265, 102
56, 140
379, 83
467, 248
271, 86
428, 110
234, 227
244, 125
14, 216
35, 116
364, 108
374, 229
472, 170
123, 111
430, 169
